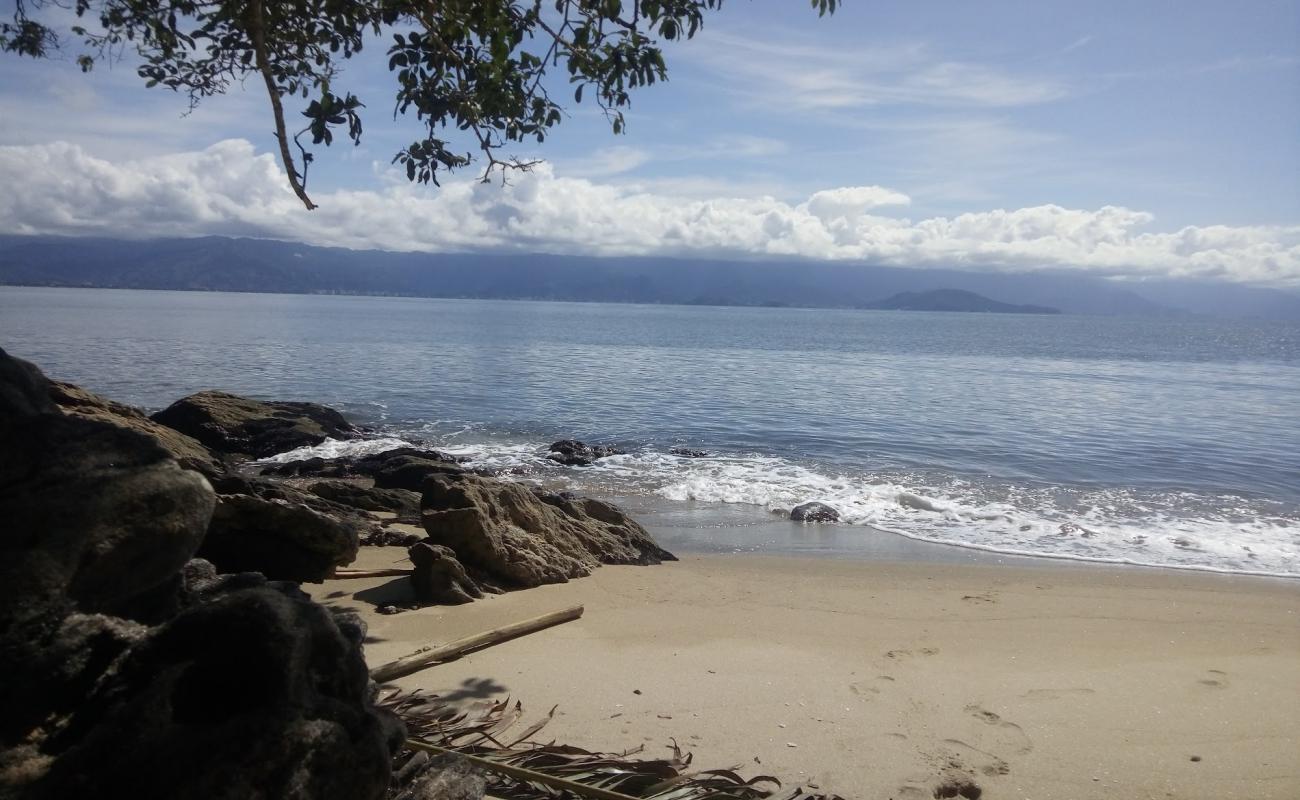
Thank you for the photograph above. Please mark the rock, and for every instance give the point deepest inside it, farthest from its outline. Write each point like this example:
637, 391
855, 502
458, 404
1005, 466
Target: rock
220, 686
524, 538
254, 692
439, 578
403, 502
409, 471
356, 467
280, 539
448, 776
573, 453
686, 452
390, 537
93, 514
188, 452
814, 512
230, 424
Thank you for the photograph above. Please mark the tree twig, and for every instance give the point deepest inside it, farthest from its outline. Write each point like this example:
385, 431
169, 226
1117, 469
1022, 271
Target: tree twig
257, 31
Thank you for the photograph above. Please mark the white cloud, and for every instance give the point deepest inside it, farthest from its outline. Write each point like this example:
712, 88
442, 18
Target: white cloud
813, 77
230, 189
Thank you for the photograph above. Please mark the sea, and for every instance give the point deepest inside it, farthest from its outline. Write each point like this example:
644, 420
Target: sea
1166, 442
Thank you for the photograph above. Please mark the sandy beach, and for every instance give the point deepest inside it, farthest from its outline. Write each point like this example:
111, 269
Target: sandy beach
883, 679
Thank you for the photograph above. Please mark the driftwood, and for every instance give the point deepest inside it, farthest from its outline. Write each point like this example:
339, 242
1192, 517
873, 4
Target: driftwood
522, 774
344, 574
447, 652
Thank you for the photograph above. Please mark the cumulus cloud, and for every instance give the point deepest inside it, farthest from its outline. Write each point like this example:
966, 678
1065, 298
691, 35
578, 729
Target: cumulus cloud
229, 188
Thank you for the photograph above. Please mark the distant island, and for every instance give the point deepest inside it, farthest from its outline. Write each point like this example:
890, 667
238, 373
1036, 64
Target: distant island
954, 300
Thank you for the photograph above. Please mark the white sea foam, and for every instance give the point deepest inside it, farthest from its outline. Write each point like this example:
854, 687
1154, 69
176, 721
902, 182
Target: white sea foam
1118, 525
336, 448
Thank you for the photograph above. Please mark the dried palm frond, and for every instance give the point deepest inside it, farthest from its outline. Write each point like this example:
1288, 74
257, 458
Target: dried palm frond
548, 771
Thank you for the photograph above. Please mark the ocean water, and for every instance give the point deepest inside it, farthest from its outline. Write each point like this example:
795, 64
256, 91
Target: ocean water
1166, 442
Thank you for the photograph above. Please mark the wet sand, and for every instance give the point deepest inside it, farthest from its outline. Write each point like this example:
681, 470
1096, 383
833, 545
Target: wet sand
885, 678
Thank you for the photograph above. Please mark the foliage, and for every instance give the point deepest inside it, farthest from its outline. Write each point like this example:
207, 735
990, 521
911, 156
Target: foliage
483, 733
465, 68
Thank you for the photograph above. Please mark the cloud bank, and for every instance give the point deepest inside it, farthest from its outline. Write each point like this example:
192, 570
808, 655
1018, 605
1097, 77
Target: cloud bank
230, 189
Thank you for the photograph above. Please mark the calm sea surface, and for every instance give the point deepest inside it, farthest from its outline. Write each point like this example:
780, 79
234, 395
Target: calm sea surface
1165, 442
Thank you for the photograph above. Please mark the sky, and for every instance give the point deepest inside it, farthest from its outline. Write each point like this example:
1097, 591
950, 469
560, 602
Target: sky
1127, 139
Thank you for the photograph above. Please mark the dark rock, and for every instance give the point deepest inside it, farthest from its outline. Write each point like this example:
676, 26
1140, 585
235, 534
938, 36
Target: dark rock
409, 472
448, 776
814, 512
235, 425
403, 502
525, 538
573, 453
255, 692
188, 452
686, 452
439, 578
223, 686
388, 537
358, 467
280, 539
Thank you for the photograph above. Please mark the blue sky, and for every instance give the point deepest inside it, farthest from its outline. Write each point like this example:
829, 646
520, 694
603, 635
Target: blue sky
1134, 139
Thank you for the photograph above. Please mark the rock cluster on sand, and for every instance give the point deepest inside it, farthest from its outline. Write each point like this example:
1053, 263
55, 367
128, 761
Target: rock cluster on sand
131, 670
527, 537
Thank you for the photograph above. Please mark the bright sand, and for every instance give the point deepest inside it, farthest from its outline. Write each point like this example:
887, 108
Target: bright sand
876, 679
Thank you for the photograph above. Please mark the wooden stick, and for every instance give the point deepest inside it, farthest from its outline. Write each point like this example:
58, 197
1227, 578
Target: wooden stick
343, 574
418, 661
524, 774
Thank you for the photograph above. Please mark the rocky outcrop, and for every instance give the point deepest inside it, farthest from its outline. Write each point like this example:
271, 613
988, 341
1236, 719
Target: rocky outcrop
399, 468
439, 578
281, 539
522, 537
188, 452
814, 512
403, 502
573, 453
235, 425
130, 670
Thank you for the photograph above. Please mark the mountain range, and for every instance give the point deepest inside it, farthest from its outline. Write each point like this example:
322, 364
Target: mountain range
257, 265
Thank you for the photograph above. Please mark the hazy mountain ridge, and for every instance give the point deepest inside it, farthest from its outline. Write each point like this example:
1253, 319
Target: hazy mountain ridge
257, 265
955, 300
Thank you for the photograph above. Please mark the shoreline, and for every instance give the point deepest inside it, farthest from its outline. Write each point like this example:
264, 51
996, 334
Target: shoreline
885, 678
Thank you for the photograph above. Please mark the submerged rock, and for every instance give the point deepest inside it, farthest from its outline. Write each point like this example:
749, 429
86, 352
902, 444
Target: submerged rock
522, 537
235, 425
573, 453
686, 452
814, 512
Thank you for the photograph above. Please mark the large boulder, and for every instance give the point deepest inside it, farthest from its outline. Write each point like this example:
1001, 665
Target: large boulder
187, 451
282, 540
573, 453
522, 537
254, 691
240, 426
130, 670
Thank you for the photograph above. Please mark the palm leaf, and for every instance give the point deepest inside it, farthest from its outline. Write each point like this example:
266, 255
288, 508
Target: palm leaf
553, 771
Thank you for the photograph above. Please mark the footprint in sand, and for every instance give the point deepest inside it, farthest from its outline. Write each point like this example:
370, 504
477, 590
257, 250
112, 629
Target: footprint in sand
964, 756
982, 597
1218, 679
861, 690
1056, 694
1014, 735
899, 655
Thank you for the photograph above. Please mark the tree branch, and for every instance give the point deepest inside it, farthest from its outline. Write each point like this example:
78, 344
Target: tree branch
257, 31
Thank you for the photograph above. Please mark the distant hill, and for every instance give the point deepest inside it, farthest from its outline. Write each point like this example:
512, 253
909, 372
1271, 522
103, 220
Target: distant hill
955, 300
216, 263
